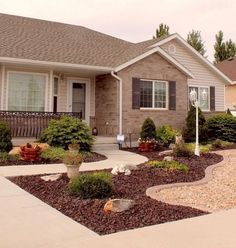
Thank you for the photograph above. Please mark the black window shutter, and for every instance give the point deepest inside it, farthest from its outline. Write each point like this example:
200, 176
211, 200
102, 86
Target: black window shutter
172, 95
136, 93
212, 98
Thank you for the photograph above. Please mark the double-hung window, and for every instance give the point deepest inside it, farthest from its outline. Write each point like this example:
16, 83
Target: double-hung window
203, 103
26, 91
153, 94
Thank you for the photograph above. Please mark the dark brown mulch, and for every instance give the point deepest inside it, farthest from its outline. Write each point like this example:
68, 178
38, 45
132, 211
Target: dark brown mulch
93, 157
146, 211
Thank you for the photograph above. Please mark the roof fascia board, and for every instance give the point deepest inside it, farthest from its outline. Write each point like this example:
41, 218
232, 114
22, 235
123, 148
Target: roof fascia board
160, 51
54, 64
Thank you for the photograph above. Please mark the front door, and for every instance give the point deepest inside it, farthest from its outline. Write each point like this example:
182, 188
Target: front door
78, 97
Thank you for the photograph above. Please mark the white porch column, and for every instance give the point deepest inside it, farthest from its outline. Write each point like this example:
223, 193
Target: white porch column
2, 95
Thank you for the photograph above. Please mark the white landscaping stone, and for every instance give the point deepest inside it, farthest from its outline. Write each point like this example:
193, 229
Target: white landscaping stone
127, 172
166, 153
52, 177
168, 158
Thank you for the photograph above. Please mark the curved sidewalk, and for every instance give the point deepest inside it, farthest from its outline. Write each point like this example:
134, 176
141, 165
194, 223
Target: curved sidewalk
114, 157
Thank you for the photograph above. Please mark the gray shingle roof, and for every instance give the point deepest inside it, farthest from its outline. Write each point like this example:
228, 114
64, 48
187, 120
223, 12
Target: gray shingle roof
35, 39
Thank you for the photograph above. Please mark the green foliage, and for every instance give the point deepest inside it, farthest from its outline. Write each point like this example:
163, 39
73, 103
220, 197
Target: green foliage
91, 185
221, 144
163, 30
67, 130
72, 158
195, 40
189, 132
169, 165
182, 150
166, 135
4, 157
5, 137
223, 50
53, 153
203, 148
148, 129
222, 126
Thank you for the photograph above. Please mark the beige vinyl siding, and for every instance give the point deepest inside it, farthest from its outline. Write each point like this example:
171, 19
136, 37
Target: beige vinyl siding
204, 76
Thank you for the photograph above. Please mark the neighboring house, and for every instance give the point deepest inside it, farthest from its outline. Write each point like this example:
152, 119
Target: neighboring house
50, 67
228, 67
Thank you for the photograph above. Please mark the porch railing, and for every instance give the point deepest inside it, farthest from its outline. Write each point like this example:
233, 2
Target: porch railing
31, 124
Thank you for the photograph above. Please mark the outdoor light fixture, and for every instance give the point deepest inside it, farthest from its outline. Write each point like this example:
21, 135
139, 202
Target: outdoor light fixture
195, 103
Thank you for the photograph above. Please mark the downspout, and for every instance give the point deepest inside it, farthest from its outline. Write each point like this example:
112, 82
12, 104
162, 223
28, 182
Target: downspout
120, 102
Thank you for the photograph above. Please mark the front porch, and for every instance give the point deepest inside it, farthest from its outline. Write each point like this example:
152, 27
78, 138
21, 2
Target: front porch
33, 94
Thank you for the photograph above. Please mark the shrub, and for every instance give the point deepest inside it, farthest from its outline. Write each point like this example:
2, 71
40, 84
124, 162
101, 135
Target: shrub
182, 150
203, 148
67, 130
220, 144
189, 132
4, 157
5, 137
148, 130
170, 165
53, 153
222, 126
72, 158
166, 135
91, 185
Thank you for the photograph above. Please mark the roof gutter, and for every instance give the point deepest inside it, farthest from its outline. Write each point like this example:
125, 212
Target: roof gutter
54, 64
120, 100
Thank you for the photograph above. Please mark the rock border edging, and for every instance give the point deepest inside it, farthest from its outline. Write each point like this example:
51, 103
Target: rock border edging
153, 191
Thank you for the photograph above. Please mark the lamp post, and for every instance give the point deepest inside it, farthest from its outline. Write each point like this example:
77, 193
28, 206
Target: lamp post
195, 103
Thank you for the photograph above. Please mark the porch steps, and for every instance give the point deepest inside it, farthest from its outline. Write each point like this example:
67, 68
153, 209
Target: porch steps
105, 143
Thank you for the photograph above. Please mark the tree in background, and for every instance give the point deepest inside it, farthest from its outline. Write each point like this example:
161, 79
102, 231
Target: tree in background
223, 50
195, 40
163, 30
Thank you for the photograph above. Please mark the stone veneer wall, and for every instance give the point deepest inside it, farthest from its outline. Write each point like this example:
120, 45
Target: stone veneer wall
152, 67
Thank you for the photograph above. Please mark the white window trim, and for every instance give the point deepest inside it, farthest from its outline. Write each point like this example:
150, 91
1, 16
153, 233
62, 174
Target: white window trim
197, 86
153, 95
29, 73
87, 83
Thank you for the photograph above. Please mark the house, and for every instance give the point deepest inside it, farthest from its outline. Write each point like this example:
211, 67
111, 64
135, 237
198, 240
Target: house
50, 68
228, 67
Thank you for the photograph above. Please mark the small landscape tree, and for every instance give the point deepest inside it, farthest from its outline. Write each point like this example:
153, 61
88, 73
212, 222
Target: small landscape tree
148, 129
189, 133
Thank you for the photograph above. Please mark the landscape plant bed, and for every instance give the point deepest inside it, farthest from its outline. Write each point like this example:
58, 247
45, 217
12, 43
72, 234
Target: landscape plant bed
146, 211
92, 157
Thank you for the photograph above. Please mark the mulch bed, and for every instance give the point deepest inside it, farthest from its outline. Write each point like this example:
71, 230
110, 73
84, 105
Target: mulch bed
94, 157
146, 211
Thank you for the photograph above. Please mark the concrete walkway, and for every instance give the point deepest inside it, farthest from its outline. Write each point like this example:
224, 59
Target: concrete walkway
27, 222
114, 157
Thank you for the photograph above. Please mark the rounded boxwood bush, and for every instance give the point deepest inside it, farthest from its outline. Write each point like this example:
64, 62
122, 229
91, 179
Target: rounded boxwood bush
68, 130
166, 135
5, 137
222, 126
148, 130
91, 185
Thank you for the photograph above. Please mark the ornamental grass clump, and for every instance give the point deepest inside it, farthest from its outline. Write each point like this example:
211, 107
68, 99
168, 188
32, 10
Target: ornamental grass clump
53, 153
169, 165
91, 185
182, 150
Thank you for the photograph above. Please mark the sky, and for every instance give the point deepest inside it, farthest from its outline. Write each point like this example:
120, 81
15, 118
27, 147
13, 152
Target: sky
135, 20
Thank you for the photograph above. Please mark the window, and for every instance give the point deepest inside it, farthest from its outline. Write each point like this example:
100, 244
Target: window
153, 94
204, 105
26, 91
